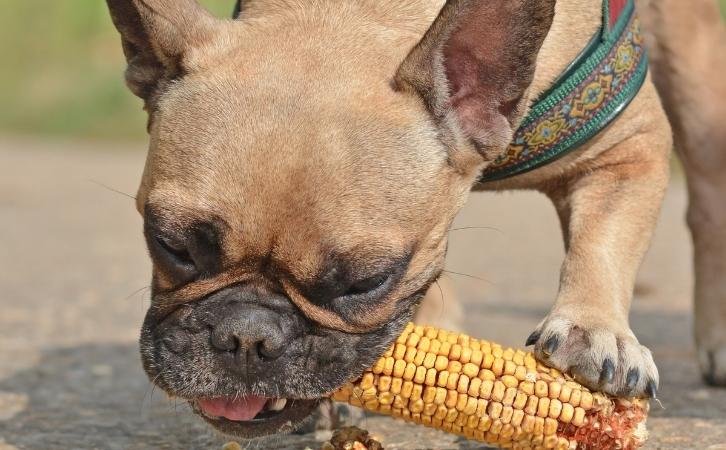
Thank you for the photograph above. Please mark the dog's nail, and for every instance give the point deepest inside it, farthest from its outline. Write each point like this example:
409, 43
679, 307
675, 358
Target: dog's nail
608, 372
532, 339
551, 345
631, 380
651, 389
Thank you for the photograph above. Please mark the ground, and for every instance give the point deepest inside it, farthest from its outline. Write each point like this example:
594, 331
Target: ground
73, 291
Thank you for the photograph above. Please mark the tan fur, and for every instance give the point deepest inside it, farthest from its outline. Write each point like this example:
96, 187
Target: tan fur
285, 127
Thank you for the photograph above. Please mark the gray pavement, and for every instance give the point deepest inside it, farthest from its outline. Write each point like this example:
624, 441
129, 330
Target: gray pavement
73, 278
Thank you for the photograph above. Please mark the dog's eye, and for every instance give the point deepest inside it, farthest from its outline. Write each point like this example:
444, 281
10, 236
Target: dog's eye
174, 258
175, 249
368, 284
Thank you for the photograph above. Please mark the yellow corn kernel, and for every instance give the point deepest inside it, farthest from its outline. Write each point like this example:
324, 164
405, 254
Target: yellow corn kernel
498, 391
367, 381
429, 360
420, 375
380, 364
410, 354
498, 367
543, 407
527, 387
565, 393
586, 401
443, 378
567, 412
575, 397
455, 352
487, 375
541, 388
453, 380
578, 419
554, 389
406, 389
442, 362
430, 379
463, 385
509, 395
474, 386
531, 406
555, 408
461, 401
451, 398
494, 410
510, 381
396, 385
409, 371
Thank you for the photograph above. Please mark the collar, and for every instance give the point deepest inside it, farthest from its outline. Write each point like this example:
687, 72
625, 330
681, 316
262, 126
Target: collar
589, 95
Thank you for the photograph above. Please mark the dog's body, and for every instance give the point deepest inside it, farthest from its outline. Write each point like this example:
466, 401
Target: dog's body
306, 164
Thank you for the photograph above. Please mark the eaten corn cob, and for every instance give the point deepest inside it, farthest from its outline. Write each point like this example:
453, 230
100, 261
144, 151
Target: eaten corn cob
503, 397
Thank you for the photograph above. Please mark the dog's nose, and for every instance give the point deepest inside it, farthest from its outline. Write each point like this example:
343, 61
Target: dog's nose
255, 331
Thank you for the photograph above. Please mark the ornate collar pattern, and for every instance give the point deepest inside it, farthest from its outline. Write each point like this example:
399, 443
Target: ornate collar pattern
588, 96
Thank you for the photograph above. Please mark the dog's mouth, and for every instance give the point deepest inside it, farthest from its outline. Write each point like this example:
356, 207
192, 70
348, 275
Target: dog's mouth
252, 416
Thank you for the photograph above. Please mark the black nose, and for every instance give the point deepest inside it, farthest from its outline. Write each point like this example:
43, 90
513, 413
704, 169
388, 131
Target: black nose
259, 333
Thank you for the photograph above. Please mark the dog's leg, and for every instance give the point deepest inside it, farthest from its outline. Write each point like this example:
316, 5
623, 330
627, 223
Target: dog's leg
688, 41
608, 214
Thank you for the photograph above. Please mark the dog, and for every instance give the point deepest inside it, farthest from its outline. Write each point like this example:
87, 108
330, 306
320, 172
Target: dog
307, 159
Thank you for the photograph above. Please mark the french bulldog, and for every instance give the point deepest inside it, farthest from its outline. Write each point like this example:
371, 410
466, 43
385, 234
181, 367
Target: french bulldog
307, 159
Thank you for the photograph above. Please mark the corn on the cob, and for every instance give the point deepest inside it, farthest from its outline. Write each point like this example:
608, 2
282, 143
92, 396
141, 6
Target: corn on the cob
482, 391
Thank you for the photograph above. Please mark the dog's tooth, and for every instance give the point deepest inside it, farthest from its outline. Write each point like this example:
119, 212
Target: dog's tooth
278, 405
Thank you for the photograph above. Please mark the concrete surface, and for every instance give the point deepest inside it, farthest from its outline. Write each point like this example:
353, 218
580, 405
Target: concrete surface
73, 278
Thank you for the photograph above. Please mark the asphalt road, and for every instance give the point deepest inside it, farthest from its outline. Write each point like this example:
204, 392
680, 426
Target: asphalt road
73, 278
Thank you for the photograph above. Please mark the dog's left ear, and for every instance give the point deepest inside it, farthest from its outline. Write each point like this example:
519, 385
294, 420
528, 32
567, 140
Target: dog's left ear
157, 36
473, 68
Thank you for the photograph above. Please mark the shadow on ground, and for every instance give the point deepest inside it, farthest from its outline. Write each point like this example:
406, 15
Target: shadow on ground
96, 397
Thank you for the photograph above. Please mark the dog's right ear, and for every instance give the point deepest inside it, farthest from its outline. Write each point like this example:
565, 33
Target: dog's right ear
156, 36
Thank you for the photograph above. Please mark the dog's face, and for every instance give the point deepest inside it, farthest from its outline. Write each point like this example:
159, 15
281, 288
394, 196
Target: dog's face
301, 179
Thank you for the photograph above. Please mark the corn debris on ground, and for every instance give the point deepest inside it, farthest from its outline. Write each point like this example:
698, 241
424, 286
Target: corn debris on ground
503, 397
352, 438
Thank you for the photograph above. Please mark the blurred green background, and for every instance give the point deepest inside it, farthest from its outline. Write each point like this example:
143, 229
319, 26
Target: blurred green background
62, 69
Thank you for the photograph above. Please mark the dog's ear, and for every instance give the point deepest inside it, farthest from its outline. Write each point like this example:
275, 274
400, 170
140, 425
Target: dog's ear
156, 36
474, 65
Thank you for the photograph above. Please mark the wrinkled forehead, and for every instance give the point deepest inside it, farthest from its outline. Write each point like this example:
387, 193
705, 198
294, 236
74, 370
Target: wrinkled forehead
263, 132
261, 156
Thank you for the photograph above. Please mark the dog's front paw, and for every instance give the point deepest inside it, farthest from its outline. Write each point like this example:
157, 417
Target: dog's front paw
599, 355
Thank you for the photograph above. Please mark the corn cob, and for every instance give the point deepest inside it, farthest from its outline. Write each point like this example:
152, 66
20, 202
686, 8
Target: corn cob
484, 392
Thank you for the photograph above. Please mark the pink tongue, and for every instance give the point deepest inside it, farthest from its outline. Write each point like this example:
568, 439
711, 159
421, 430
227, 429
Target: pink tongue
242, 409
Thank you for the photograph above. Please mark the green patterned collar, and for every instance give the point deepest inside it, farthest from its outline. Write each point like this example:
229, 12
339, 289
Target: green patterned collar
588, 96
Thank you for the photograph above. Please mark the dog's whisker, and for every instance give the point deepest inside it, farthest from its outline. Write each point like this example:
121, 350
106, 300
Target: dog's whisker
149, 392
137, 291
441, 291
113, 190
476, 228
467, 276
365, 418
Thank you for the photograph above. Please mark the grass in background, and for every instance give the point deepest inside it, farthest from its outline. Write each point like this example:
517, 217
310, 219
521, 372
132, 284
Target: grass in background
62, 70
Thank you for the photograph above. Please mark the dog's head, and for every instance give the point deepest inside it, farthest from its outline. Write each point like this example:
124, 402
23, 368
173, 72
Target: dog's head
306, 162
